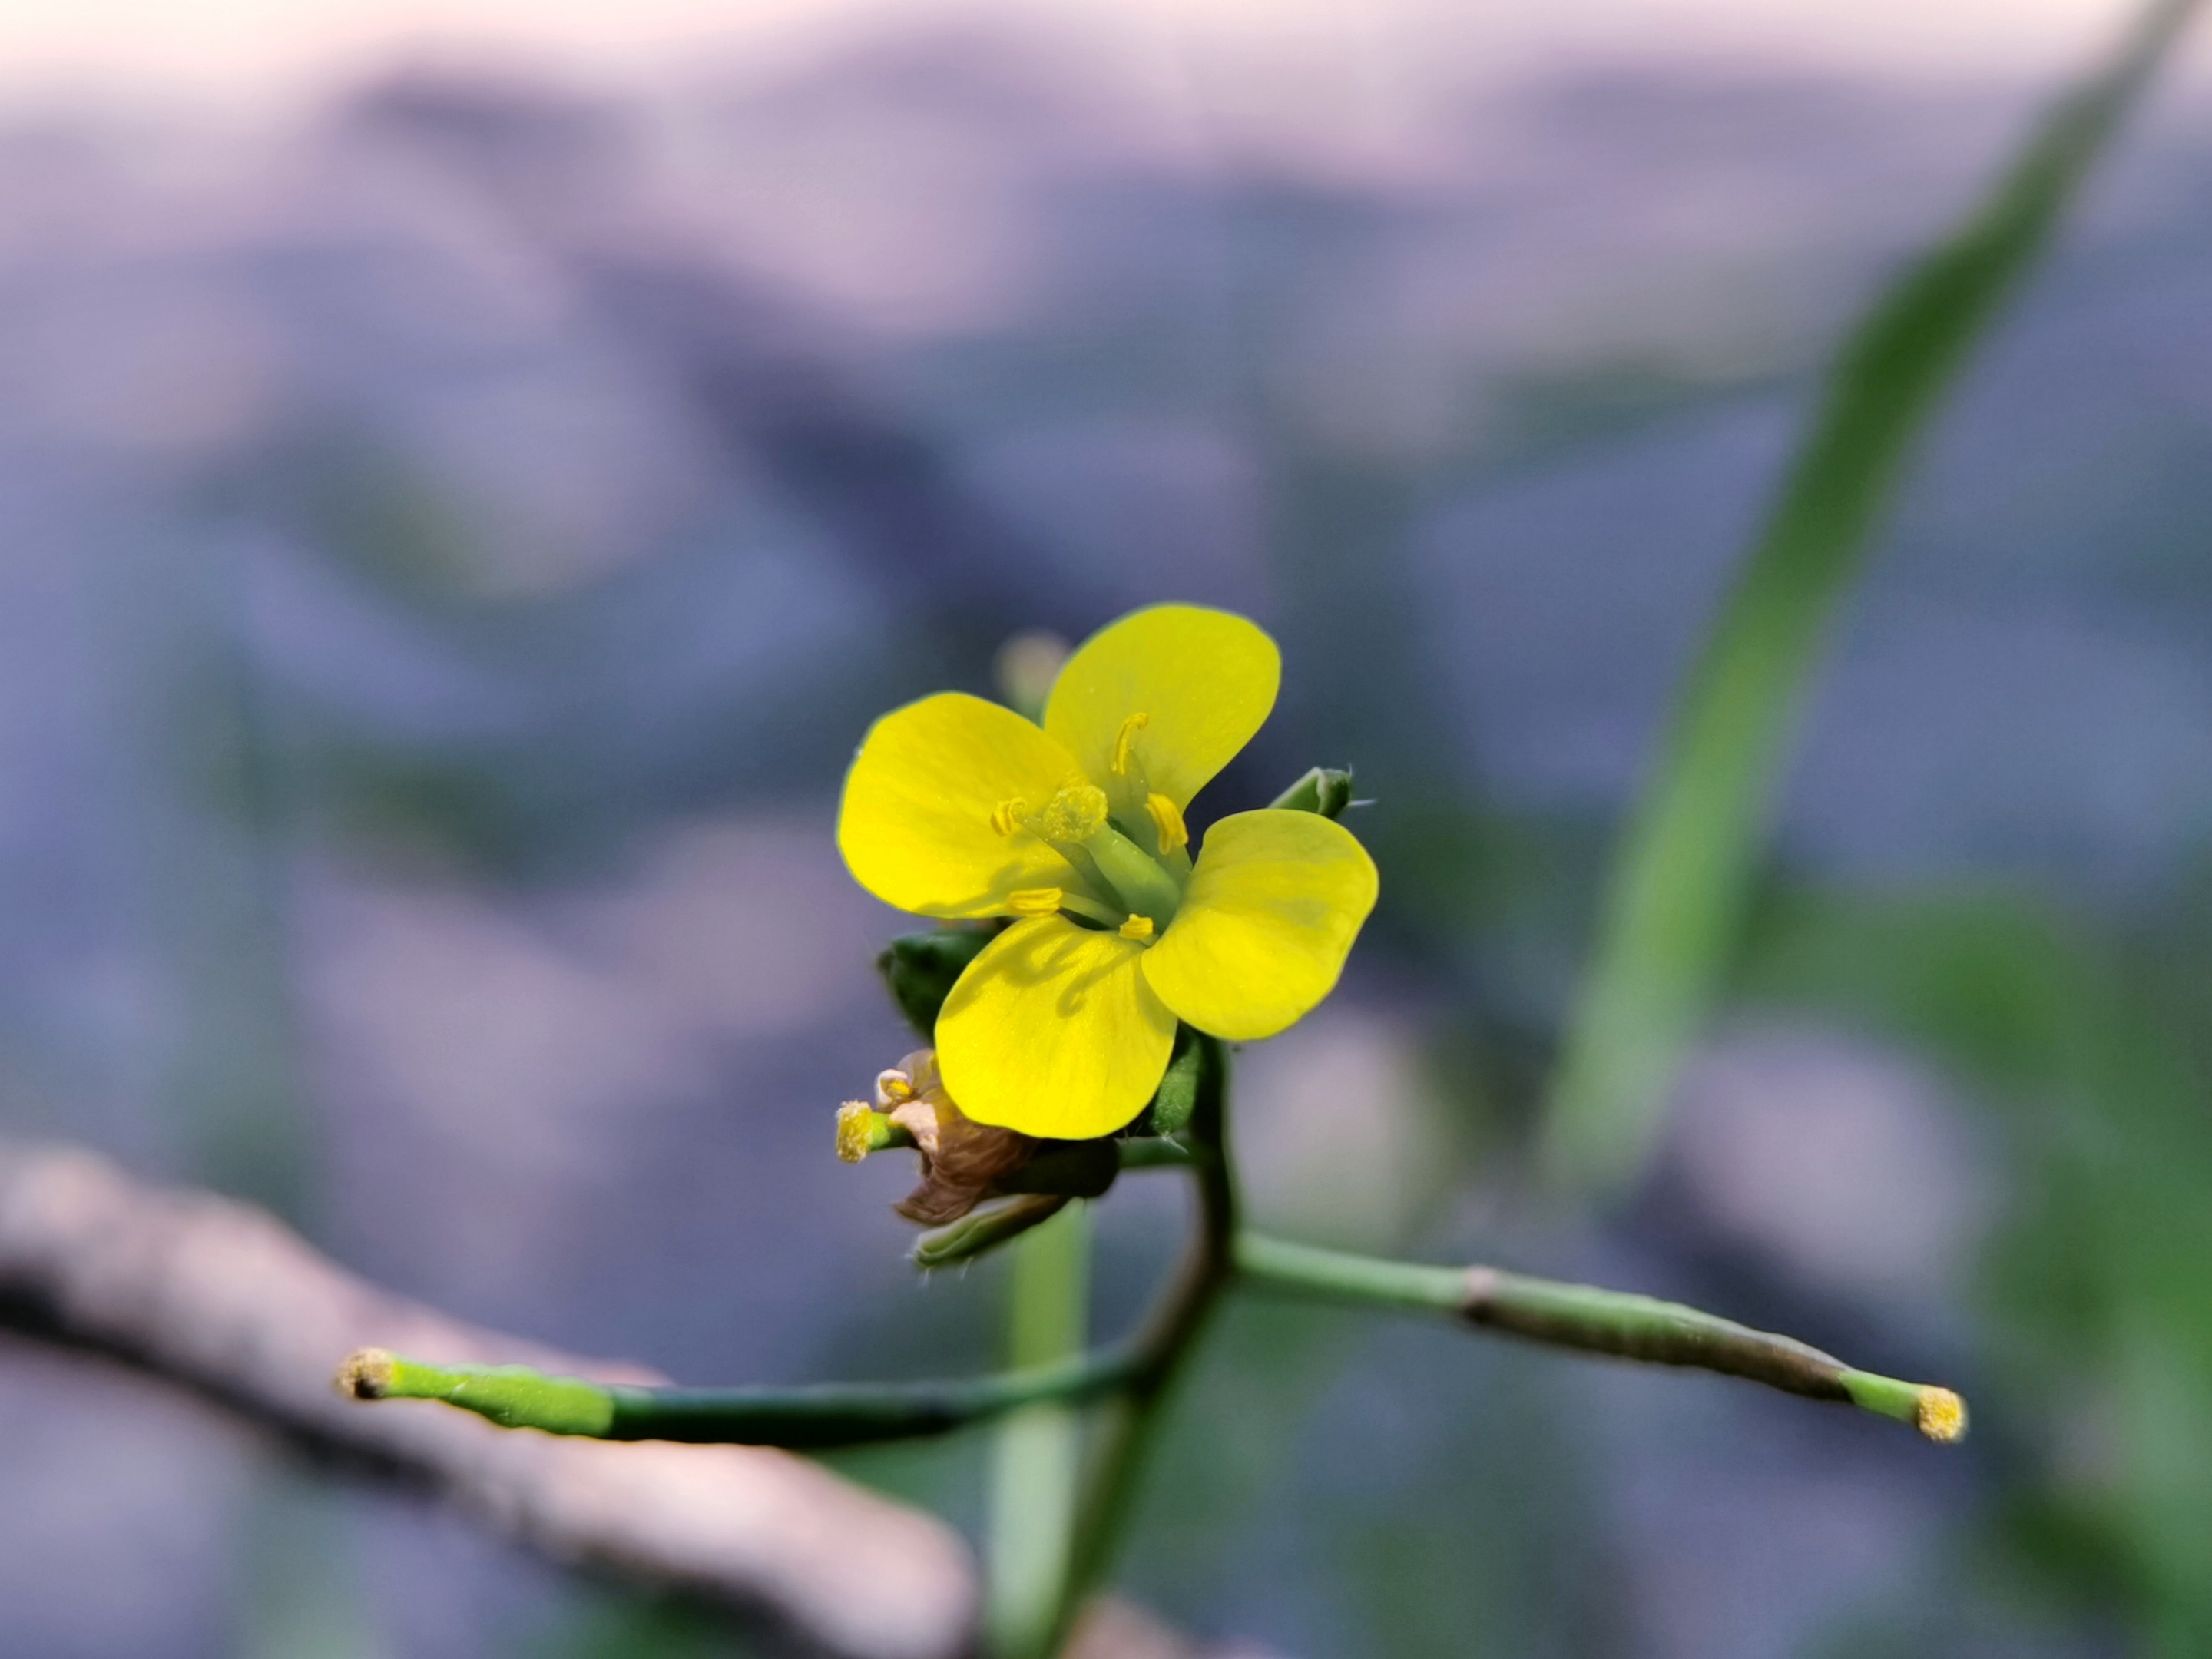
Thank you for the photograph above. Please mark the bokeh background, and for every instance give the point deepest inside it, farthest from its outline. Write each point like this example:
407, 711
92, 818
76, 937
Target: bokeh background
469, 474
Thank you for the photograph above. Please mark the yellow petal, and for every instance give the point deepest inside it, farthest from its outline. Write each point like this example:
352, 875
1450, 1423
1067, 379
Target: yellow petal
1204, 681
916, 826
1053, 1032
1274, 901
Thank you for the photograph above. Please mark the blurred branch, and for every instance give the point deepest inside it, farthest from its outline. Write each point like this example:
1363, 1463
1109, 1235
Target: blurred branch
220, 1297
1134, 1381
1683, 874
1580, 1316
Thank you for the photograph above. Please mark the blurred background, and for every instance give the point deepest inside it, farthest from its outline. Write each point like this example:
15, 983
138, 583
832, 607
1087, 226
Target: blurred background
471, 472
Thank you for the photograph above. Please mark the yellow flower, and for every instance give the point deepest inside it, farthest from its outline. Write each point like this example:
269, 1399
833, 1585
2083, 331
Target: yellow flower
958, 807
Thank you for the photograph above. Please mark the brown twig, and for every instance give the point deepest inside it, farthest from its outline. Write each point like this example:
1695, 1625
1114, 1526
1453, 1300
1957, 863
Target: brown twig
222, 1298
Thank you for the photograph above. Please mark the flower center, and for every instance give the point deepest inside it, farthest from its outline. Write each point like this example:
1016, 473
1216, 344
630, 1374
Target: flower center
1109, 865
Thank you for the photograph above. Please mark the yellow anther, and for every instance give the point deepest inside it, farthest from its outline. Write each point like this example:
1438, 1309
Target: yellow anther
855, 1129
1035, 900
1167, 819
1077, 813
1006, 817
1138, 927
894, 1088
1941, 1415
1125, 741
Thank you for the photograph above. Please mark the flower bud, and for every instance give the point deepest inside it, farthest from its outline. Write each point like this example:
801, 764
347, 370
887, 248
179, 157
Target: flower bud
920, 968
1026, 668
1324, 789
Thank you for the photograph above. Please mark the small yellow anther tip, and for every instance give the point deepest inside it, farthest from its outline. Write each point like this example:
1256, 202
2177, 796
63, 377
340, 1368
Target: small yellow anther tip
1125, 741
366, 1375
1167, 819
1941, 1415
854, 1130
1137, 927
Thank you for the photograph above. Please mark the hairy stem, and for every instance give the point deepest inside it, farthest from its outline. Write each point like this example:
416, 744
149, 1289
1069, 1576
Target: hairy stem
1579, 1316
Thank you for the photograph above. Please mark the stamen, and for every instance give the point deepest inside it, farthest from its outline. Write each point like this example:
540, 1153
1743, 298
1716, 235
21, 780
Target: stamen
1076, 904
1125, 741
1035, 900
855, 1130
894, 1088
1076, 814
1167, 819
1137, 927
1941, 1415
1006, 817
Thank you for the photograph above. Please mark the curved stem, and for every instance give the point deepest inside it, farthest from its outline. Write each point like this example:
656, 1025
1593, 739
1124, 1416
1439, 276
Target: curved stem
1581, 1317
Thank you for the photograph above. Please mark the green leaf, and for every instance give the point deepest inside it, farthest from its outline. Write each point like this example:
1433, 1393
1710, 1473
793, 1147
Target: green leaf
1681, 878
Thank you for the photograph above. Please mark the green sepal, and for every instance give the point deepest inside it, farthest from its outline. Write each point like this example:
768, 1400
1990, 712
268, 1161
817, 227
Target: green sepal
1070, 1168
1325, 789
1177, 1096
920, 968
985, 1231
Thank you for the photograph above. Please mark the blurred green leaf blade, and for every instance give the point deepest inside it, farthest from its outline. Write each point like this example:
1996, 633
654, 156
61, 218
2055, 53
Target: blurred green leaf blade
1683, 876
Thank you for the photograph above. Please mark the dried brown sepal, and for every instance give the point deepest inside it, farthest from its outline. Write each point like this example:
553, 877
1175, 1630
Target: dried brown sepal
961, 1161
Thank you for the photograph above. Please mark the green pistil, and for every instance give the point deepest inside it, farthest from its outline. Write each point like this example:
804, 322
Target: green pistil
1139, 879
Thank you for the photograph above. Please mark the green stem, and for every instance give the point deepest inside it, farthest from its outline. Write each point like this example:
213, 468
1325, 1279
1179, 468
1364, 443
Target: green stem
1129, 1419
1037, 1453
1579, 1316
807, 1418
1153, 1153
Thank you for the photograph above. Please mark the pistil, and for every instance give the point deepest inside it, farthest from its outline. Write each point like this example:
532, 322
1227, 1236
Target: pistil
1135, 874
